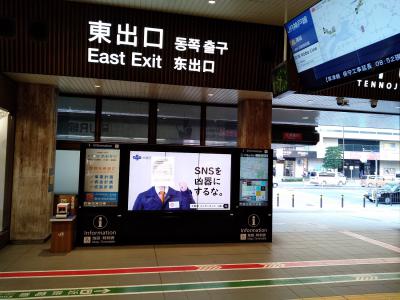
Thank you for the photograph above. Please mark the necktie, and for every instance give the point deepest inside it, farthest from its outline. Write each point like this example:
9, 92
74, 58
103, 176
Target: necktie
161, 194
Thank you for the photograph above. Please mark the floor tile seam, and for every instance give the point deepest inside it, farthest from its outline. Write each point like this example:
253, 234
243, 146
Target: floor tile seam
367, 296
376, 243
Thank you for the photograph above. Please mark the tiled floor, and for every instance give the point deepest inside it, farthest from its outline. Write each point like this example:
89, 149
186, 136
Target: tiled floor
300, 236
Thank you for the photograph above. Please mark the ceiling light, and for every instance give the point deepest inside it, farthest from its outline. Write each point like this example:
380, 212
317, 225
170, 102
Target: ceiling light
211, 1
97, 85
305, 118
210, 95
310, 101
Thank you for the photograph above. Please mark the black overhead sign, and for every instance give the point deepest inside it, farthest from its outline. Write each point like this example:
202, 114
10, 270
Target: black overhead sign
339, 40
108, 42
380, 86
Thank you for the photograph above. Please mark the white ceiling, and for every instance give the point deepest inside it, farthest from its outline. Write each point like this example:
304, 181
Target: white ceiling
270, 12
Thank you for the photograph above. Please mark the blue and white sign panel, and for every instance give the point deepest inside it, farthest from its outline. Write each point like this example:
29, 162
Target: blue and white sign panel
336, 39
101, 177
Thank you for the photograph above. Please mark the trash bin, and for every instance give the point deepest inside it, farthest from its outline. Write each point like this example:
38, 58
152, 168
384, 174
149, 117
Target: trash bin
63, 233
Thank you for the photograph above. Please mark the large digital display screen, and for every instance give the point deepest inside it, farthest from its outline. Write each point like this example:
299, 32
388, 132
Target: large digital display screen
337, 39
253, 179
170, 181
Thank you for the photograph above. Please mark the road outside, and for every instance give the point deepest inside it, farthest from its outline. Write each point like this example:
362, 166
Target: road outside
308, 197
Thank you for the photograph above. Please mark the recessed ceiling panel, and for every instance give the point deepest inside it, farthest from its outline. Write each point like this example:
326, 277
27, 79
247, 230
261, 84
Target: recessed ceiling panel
293, 109
334, 118
331, 103
142, 90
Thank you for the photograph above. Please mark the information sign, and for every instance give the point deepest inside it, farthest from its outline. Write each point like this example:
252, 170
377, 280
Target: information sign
101, 177
338, 39
254, 179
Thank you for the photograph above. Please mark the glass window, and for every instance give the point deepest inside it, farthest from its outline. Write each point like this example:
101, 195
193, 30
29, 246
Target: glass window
221, 126
66, 178
178, 124
124, 121
76, 118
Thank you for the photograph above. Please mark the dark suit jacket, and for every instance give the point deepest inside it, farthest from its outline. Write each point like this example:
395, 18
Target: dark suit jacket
149, 200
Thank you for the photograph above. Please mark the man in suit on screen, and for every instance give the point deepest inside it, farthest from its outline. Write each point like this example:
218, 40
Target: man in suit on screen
161, 196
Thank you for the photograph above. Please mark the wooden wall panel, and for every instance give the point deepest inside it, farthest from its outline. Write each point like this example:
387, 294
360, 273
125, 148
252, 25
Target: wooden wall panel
254, 49
33, 162
255, 123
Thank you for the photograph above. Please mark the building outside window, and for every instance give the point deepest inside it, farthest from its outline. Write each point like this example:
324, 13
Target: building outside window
178, 124
124, 121
76, 118
221, 126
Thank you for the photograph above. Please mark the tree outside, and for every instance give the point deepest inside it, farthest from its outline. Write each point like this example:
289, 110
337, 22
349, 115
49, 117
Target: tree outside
333, 158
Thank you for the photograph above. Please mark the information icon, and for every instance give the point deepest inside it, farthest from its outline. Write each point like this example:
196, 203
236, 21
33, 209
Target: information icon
100, 222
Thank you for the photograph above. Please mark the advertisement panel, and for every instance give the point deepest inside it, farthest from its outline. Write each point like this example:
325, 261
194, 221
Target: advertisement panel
179, 181
101, 177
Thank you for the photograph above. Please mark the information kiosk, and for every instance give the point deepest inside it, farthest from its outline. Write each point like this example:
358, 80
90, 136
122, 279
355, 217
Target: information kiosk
173, 194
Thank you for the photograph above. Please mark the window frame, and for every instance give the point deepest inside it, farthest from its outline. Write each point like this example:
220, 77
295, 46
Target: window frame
152, 120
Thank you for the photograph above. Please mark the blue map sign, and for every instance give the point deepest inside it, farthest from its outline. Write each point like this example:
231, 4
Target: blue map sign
337, 39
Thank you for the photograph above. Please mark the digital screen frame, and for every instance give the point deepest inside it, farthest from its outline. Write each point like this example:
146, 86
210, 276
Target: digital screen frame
207, 179
100, 180
254, 180
102, 225
337, 40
